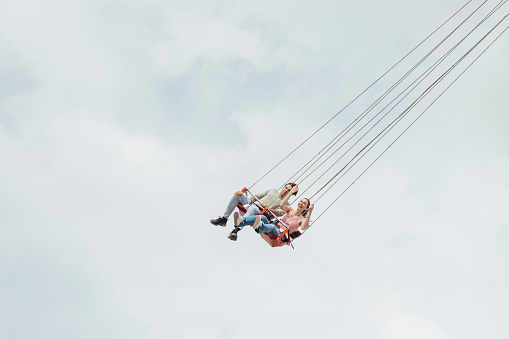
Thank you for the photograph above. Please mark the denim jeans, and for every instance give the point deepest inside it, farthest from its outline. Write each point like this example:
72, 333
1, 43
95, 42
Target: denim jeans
252, 210
265, 227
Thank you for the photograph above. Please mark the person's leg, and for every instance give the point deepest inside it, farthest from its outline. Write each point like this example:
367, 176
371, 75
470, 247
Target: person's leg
268, 228
237, 197
252, 210
243, 221
249, 220
233, 203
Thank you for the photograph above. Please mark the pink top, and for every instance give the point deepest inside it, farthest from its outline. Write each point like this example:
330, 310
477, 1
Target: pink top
291, 221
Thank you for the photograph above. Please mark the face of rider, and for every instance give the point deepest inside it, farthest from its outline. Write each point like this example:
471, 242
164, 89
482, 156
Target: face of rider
287, 188
303, 204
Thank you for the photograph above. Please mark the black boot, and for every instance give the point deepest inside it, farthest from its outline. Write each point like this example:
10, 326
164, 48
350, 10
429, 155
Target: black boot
220, 221
233, 234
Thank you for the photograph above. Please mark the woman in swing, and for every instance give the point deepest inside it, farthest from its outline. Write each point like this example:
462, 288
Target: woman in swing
297, 220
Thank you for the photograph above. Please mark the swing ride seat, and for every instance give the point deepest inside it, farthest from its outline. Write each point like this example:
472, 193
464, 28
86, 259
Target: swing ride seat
270, 238
274, 241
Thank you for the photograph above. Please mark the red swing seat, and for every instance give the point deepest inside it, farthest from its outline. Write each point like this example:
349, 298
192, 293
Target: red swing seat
270, 238
274, 241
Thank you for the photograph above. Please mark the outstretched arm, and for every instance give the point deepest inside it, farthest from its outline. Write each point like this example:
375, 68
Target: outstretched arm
305, 221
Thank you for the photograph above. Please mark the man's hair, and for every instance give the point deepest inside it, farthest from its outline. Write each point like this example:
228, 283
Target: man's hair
292, 184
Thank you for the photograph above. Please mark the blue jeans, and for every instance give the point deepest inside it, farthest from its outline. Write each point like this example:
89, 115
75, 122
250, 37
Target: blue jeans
265, 227
252, 210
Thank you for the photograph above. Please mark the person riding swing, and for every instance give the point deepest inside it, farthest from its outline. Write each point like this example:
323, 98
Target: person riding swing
297, 221
270, 199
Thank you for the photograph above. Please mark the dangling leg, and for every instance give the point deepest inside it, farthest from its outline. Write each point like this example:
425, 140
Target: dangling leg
237, 220
252, 210
240, 222
237, 197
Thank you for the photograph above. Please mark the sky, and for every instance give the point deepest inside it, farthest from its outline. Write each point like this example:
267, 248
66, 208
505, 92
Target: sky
126, 125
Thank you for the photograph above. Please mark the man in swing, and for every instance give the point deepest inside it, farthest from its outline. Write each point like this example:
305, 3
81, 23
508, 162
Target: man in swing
270, 199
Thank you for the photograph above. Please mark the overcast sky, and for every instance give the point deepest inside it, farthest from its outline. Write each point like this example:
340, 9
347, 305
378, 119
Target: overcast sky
126, 125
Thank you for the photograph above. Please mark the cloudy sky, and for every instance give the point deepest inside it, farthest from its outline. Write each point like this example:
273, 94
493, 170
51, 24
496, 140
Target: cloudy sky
126, 125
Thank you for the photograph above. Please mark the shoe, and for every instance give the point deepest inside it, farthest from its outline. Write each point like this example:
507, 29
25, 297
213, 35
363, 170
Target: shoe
233, 234
237, 219
220, 221
257, 223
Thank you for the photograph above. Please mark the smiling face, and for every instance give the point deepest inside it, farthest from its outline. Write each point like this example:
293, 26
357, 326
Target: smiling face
303, 204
